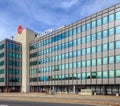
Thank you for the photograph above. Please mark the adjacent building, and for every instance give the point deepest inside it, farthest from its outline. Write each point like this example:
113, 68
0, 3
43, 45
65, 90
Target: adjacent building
10, 66
85, 54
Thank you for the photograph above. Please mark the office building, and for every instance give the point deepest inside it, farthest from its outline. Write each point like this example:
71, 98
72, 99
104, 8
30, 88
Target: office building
84, 54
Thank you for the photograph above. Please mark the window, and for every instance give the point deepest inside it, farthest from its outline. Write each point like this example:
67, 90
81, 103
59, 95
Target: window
111, 60
79, 53
117, 73
83, 40
88, 75
83, 51
111, 74
66, 66
93, 62
83, 28
78, 64
99, 35
105, 74
118, 59
117, 15
105, 33
67, 55
79, 41
93, 49
70, 65
88, 63
111, 31
88, 38
74, 53
111, 45
105, 47
70, 54
74, 65
88, 50
74, 42
105, 20
93, 37
88, 26
70, 32
99, 48
66, 34
117, 44
79, 29
94, 74
93, 24
99, 74
117, 30
111, 17
74, 31
99, 61
83, 75
83, 63
99, 22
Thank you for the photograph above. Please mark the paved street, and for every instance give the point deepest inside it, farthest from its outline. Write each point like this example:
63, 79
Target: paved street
24, 103
52, 100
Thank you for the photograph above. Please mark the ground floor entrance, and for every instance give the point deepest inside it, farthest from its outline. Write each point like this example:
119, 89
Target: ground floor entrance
10, 89
98, 89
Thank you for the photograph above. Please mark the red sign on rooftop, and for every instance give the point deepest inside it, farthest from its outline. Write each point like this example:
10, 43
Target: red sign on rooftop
20, 29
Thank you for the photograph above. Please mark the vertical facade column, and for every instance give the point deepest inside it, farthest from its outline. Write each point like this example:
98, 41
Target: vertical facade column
73, 88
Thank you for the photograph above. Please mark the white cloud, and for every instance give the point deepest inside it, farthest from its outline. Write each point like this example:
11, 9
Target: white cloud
68, 4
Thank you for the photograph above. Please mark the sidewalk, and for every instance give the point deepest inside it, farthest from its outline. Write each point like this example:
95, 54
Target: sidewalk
63, 98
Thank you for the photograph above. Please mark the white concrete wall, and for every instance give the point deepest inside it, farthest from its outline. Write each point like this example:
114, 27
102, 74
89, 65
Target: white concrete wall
25, 37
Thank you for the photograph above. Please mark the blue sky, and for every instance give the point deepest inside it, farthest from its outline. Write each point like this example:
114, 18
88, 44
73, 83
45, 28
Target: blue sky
39, 15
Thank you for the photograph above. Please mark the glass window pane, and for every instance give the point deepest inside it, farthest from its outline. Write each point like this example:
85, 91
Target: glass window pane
99, 35
99, 22
105, 33
118, 59
111, 74
83, 76
117, 15
88, 26
105, 20
94, 62
99, 48
105, 47
117, 44
93, 24
83, 40
79, 29
74, 31
111, 17
111, 31
88, 63
93, 49
105, 60
105, 74
83, 63
83, 51
99, 75
79, 41
93, 37
83, 28
117, 73
99, 61
88, 50
79, 53
118, 30
88, 38
111, 45
111, 60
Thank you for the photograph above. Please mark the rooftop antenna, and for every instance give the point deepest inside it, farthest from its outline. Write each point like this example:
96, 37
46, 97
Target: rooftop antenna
12, 37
